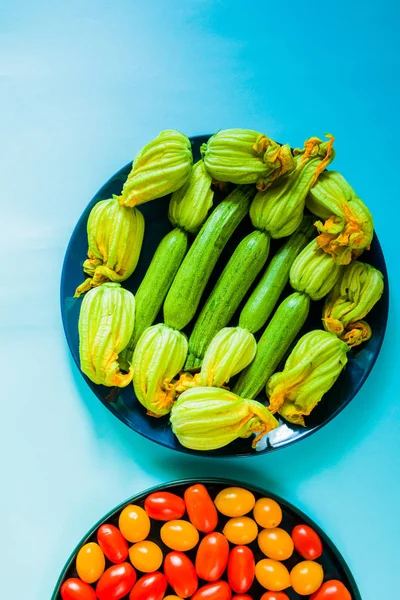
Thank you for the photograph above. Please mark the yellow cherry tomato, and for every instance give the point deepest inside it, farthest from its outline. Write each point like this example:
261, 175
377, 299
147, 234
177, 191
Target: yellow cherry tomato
179, 535
276, 543
146, 556
240, 530
267, 513
306, 577
272, 575
90, 563
235, 502
134, 523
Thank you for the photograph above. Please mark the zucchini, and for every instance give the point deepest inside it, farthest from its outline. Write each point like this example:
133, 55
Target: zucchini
188, 286
263, 299
282, 329
234, 282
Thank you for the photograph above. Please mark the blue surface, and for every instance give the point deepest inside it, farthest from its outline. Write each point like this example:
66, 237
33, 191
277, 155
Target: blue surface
83, 85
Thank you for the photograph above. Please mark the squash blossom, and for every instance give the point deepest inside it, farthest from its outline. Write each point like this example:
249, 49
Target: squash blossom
279, 209
348, 225
246, 156
115, 236
207, 418
161, 167
310, 371
314, 272
351, 299
105, 325
158, 357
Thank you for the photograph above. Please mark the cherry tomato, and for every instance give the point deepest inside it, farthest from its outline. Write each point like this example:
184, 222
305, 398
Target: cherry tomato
172, 598
201, 509
276, 543
332, 590
75, 589
235, 502
134, 523
274, 596
307, 542
242, 597
241, 530
116, 582
164, 506
90, 563
212, 556
146, 556
219, 590
272, 575
149, 587
181, 574
241, 568
113, 543
306, 577
267, 513
179, 535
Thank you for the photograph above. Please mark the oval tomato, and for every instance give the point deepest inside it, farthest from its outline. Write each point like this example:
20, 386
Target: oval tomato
179, 535
274, 596
150, 587
164, 506
272, 575
113, 543
134, 523
90, 562
306, 577
218, 590
235, 502
181, 574
307, 542
332, 590
241, 569
242, 597
200, 508
212, 556
275, 543
116, 582
241, 530
146, 556
267, 513
75, 589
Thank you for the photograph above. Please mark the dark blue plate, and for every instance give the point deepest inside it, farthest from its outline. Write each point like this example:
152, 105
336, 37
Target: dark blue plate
332, 562
127, 408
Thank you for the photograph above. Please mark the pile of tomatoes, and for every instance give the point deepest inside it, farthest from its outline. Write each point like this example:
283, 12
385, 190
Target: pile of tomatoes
174, 548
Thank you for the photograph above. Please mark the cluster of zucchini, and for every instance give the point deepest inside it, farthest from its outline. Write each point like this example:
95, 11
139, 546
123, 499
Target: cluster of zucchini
188, 378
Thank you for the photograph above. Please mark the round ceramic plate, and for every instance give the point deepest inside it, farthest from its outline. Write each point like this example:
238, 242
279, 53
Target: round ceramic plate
124, 404
331, 560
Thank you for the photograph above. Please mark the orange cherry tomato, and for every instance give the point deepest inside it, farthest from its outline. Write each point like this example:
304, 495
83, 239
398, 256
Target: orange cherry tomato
272, 575
75, 589
149, 587
164, 506
116, 582
201, 509
146, 556
235, 502
212, 556
179, 535
241, 568
90, 562
307, 542
276, 543
274, 596
332, 590
219, 590
306, 577
134, 523
241, 530
113, 543
172, 598
267, 513
181, 574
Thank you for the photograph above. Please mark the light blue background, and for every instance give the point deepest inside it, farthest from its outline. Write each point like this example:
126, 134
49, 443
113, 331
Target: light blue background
84, 84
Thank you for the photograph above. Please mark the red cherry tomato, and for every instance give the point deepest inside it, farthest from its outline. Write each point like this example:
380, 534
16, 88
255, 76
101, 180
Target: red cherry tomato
150, 587
307, 542
332, 590
164, 506
75, 589
181, 574
201, 509
274, 596
116, 582
113, 543
218, 590
242, 597
212, 556
241, 569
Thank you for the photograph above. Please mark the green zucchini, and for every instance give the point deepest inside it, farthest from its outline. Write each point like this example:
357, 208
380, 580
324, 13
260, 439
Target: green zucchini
188, 286
282, 329
234, 282
263, 299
